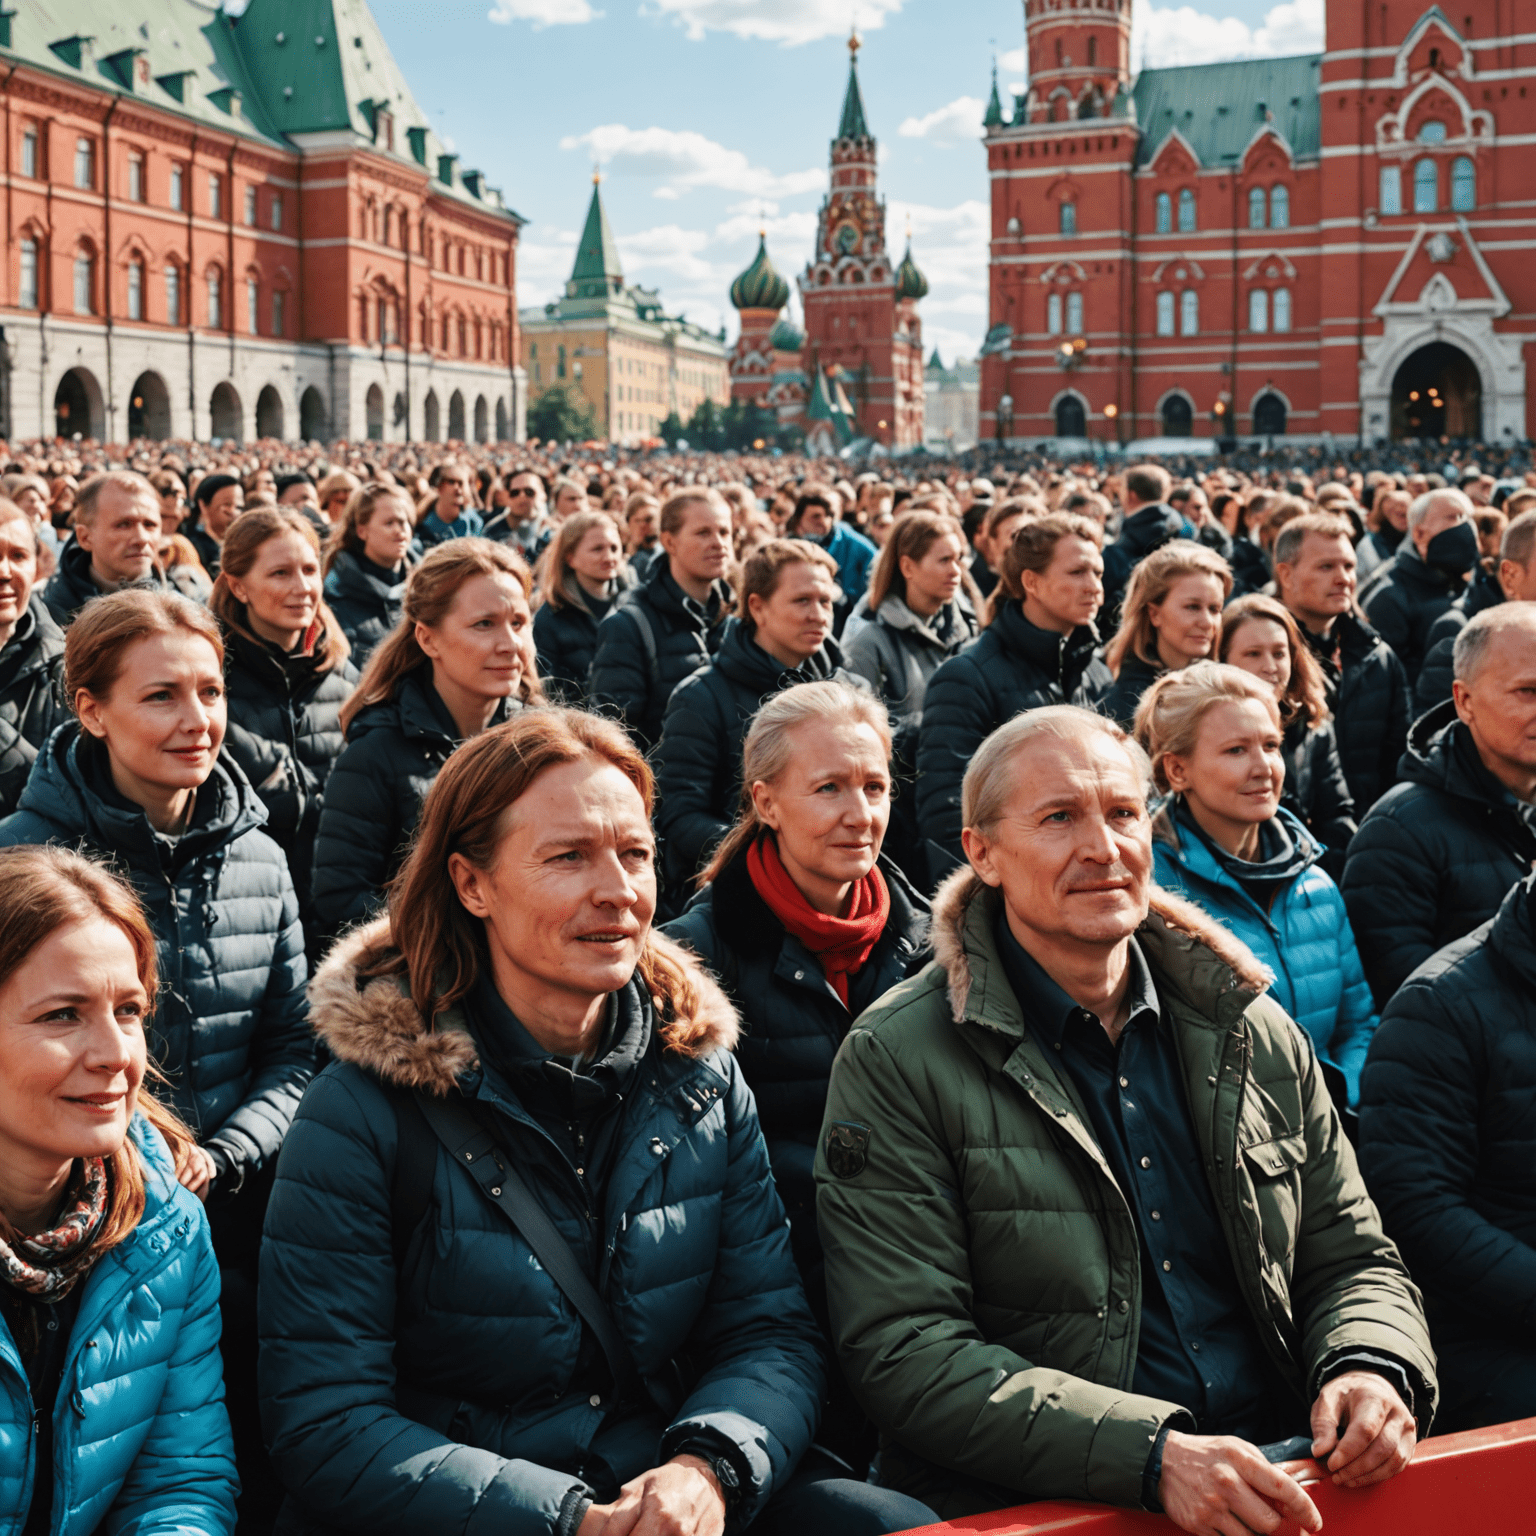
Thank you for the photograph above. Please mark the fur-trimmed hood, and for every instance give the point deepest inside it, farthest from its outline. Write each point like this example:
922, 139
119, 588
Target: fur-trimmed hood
1184, 946
376, 1026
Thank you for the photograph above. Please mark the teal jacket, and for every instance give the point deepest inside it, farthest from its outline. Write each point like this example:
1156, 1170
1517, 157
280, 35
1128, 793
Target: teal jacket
141, 1439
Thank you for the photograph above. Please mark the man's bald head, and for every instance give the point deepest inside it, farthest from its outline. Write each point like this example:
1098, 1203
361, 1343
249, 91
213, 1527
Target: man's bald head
1506, 632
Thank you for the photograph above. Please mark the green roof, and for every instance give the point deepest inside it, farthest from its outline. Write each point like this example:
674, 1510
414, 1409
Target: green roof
994, 114
281, 69
853, 125
597, 271
1218, 108
760, 287
910, 282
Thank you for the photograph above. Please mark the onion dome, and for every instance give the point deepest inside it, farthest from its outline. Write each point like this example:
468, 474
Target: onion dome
760, 287
786, 336
910, 282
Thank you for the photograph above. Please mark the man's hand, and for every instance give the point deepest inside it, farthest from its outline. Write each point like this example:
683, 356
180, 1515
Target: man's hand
681, 1498
196, 1170
1378, 1431
1217, 1485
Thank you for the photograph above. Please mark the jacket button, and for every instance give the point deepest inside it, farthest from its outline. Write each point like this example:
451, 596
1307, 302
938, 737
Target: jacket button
595, 1400
1146, 1162
1122, 1306
799, 975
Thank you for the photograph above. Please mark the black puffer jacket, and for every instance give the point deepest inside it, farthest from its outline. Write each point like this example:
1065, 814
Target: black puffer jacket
1132, 681
1438, 671
1435, 856
698, 759
1316, 792
1146, 529
632, 676
565, 637
70, 587
394, 751
367, 601
1369, 699
1013, 666
231, 1024
1403, 600
285, 733
1448, 1133
1250, 566
31, 696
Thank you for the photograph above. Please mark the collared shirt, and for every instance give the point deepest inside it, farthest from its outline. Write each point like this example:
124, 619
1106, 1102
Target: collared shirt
1198, 1345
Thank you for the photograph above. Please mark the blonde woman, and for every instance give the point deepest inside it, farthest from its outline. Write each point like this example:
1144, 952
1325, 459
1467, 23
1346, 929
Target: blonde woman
581, 576
370, 552
1171, 617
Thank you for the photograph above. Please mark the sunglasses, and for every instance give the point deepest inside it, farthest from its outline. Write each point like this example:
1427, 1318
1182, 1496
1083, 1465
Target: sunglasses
521, 490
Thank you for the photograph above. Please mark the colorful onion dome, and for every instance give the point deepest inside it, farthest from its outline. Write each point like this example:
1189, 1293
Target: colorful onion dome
760, 287
910, 282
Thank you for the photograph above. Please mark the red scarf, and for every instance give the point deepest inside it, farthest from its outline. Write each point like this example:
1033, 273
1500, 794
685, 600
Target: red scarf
842, 944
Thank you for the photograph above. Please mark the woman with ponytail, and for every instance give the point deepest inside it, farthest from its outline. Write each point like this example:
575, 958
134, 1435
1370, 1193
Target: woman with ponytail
111, 1413
806, 922
514, 1016
460, 660
286, 676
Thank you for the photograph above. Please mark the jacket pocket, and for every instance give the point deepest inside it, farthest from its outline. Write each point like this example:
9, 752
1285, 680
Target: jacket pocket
1274, 1174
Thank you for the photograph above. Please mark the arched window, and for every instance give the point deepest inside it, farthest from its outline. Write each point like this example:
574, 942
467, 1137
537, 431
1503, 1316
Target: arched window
1074, 314
1071, 419
463, 337
279, 308
1256, 208
1186, 211
1391, 189
252, 306
215, 300
1279, 208
1069, 218
1258, 310
1165, 314
1432, 132
362, 318
85, 284
1053, 314
1426, 186
178, 187
1282, 309
28, 293
1189, 313
1463, 185
560, 363
1164, 214
135, 289
172, 294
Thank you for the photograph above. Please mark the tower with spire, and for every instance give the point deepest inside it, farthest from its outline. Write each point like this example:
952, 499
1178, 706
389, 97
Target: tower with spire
863, 338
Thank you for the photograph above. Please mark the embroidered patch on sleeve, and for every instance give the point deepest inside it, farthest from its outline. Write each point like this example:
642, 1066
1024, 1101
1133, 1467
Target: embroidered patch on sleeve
847, 1148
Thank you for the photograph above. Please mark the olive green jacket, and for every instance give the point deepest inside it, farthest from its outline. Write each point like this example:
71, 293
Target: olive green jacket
983, 1266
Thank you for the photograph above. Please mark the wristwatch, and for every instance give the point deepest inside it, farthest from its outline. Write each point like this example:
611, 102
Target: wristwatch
724, 1470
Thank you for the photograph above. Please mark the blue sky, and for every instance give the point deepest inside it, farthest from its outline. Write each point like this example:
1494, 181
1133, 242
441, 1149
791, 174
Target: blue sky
712, 118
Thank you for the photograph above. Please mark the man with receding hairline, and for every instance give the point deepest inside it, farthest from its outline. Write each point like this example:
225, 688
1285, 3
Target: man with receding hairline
1092, 1228
116, 540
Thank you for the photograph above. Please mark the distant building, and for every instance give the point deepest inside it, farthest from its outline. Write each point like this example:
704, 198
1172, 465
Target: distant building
613, 344
856, 370
1333, 245
231, 227
953, 403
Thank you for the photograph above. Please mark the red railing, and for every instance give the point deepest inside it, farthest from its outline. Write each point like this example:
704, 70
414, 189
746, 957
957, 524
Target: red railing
1481, 1482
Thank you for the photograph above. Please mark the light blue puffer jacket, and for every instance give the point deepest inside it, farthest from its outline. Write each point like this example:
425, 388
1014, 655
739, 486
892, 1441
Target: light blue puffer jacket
141, 1439
1304, 940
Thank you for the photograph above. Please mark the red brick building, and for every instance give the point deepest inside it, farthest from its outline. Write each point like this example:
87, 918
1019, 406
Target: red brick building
231, 227
1335, 245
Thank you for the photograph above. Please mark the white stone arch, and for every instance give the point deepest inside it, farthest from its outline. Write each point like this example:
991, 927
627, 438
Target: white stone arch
1195, 272
1258, 267
1069, 393
1476, 124
1177, 392
1269, 389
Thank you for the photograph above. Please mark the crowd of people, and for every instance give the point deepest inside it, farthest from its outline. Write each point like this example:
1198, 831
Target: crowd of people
658, 996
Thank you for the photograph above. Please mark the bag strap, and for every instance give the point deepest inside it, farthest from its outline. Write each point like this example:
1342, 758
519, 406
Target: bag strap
410, 1191
647, 634
471, 1146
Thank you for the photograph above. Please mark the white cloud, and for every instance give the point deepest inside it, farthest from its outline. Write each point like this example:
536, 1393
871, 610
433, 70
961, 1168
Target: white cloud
542, 13
789, 22
1184, 35
1015, 61
960, 121
684, 160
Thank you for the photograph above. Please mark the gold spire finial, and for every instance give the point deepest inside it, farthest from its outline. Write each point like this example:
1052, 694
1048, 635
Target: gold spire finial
597, 173
853, 44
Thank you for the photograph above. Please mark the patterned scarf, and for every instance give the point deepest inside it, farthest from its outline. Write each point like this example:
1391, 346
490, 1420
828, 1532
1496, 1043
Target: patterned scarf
48, 1264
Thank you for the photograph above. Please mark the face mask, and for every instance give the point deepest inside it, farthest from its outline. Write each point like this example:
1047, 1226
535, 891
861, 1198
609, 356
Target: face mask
1454, 550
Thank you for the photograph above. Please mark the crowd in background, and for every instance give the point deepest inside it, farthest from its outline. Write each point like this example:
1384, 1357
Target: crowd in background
289, 694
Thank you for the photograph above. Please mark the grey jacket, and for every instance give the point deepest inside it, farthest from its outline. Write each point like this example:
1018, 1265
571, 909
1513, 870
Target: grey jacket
897, 651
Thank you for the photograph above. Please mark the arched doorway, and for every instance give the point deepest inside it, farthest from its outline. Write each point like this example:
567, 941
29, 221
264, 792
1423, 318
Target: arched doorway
501, 421
269, 413
77, 408
1269, 416
482, 420
432, 426
375, 408
149, 408
314, 422
226, 420
1071, 420
456, 416
1437, 392
1178, 417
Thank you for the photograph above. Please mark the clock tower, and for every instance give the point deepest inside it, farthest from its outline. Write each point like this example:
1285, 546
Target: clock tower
861, 323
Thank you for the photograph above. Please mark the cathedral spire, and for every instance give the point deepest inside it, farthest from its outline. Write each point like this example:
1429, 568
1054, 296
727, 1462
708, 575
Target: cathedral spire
853, 125
596, 271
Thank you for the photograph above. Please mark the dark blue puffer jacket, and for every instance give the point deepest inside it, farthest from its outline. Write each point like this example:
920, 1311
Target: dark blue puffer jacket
231, 1025
456, 1394
141, 1438
31, 696
565, 637
366, 599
